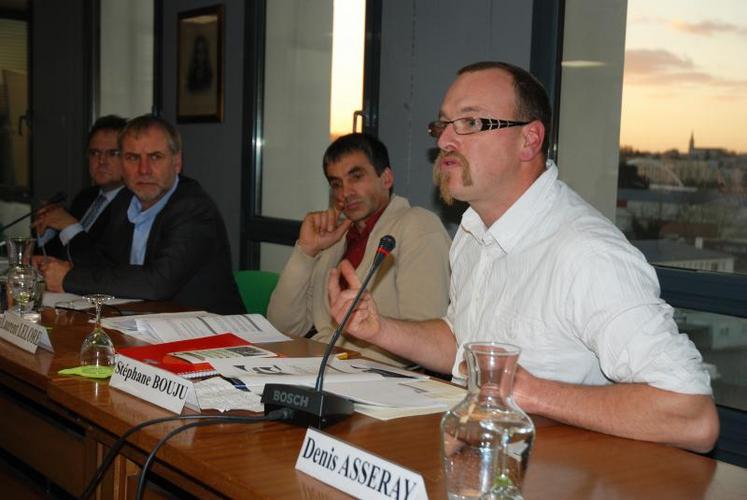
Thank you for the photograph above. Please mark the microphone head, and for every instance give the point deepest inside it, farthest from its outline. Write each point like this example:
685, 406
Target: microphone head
386, 244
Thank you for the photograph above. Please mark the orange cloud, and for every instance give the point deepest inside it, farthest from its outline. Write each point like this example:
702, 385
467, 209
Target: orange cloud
662, 67
654, 61
707, 28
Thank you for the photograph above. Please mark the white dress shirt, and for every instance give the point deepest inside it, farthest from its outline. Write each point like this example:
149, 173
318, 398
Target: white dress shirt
559, 280
72, 230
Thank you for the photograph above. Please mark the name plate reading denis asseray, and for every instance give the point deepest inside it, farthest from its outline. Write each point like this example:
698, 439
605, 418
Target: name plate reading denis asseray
356, 472
157, 386
24, 334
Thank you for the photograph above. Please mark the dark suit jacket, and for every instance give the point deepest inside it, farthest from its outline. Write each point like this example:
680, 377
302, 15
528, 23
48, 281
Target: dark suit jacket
78, 208
187, 259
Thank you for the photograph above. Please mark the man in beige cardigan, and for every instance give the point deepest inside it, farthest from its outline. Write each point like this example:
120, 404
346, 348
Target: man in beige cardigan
412, 283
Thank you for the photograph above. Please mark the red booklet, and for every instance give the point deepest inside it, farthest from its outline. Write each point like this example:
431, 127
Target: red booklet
160, 355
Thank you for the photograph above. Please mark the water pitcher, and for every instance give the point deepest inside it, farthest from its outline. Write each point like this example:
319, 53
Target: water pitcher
20, 282
487, 438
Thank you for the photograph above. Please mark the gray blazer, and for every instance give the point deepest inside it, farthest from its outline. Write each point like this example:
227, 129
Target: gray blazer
187, 260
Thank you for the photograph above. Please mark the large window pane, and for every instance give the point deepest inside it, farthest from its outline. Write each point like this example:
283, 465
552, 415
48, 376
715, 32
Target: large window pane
305, 67
126, 58
14, 149
14, 130
722, 340
673, 176
682, 197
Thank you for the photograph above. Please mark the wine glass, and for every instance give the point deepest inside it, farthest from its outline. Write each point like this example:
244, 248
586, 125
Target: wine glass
97, 350
22, 281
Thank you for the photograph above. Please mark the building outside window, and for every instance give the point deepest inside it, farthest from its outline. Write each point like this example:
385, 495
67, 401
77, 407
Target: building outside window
673, 178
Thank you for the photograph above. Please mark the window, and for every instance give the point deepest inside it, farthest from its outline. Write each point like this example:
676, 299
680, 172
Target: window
682, 184
682, 181
15, 172
722, 340
673, 176
125, 58
313, 58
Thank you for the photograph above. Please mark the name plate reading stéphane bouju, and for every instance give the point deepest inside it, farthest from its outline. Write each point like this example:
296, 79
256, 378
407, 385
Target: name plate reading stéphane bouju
24, 334
356, 472
157, 386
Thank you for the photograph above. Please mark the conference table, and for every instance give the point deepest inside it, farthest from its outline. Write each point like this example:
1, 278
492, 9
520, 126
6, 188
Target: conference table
62, 427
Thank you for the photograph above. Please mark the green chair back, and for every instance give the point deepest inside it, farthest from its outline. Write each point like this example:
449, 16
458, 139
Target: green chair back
255, 288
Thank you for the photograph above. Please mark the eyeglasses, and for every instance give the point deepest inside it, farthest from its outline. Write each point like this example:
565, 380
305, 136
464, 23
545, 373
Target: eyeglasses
470, 125
97, 154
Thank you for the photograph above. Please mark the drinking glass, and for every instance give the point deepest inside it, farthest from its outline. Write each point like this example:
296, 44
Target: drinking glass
97, 350
22, 281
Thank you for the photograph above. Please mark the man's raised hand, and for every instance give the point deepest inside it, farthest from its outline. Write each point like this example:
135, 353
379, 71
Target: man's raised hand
365, 322
321, 230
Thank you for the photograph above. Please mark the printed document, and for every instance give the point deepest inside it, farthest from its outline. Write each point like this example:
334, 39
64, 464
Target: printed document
157, 328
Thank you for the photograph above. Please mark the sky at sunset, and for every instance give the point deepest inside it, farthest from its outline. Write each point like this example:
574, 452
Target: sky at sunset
685, 71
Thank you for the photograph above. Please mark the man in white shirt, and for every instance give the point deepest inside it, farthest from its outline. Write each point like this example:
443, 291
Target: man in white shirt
536, 266
89, 211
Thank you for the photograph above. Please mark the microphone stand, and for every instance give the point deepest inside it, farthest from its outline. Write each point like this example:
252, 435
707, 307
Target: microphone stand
316, 407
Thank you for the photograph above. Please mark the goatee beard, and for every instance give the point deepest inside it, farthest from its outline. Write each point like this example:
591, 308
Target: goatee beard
441, 179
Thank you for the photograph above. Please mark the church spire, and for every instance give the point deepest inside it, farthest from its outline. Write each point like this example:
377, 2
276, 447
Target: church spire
691, 149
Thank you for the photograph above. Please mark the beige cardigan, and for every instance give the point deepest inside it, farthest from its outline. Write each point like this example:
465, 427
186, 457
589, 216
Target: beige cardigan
412, 283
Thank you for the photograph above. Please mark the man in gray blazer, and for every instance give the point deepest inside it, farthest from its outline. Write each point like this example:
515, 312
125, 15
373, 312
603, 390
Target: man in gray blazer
166, 242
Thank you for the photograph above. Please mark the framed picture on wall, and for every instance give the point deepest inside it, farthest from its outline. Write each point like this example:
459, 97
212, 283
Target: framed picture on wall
200, 65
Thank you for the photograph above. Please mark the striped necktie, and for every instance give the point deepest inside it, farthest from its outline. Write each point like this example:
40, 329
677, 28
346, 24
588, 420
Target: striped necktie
93, 212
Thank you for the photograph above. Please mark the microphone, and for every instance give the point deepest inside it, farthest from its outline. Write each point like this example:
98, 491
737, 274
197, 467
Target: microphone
56, 198
315, 407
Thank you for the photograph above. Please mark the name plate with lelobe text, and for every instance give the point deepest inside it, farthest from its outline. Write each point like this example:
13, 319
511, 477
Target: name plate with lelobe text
24, 334
355, 471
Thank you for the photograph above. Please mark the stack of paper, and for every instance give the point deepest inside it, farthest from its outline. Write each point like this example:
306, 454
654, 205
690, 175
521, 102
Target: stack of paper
378, 390
168, 327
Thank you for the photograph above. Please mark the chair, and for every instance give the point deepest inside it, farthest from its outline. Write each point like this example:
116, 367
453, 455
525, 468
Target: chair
255, 288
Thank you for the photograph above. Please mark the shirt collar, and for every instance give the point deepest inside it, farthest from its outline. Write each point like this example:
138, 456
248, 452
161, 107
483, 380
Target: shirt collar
507, 230
109, 195
136, 213
354, 233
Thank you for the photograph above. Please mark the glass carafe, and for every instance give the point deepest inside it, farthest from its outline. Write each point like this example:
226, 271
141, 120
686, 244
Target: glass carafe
487, 438
21, 281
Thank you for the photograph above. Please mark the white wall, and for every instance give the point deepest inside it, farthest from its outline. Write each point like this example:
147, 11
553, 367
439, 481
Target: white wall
212, 151
423, 44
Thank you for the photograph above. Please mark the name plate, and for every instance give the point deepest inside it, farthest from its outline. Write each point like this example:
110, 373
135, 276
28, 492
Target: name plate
356, 472
24, 334
157, 386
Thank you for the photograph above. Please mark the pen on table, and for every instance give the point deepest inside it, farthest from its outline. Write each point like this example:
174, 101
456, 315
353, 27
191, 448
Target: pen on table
237, 383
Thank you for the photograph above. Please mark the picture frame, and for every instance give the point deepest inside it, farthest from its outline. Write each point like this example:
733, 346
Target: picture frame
199, 74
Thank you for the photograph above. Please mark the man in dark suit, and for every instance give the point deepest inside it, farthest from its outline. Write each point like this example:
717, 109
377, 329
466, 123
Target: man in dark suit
167, 242
90, 208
